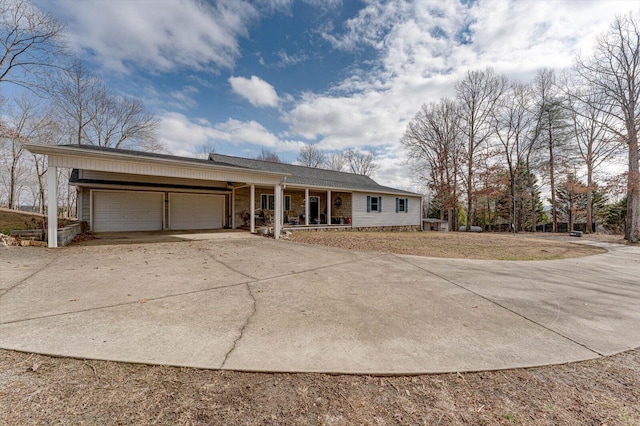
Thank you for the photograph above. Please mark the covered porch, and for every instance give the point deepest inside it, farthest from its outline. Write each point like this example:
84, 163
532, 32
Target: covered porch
301, 207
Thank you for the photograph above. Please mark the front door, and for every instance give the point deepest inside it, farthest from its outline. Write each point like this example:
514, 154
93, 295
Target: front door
314, 207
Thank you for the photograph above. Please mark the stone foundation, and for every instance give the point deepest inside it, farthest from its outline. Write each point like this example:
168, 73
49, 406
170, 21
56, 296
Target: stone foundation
66, 234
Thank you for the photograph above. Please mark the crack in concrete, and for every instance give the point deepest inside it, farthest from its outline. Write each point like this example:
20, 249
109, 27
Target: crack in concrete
501, 306
254, 309
4, 292
133, 302
251, 280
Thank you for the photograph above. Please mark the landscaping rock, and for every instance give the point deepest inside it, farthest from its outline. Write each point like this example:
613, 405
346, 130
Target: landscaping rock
6, 240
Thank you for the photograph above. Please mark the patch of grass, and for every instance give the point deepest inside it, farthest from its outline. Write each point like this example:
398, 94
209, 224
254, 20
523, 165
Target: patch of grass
511, 418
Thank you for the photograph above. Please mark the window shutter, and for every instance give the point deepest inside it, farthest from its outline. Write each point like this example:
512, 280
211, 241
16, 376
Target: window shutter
379, 204
406, 205
368, 203
397, 204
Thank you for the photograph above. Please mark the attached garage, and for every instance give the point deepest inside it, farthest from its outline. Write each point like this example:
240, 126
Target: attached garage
116, 211
196, 211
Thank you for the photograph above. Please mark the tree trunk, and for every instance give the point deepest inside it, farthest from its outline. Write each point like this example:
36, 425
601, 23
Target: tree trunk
12, 187
589, 198
632, 228
552, 183
469, 194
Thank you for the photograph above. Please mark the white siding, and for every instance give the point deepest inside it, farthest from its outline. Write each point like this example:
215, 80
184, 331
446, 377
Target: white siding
388, 215
141, 166
128, 177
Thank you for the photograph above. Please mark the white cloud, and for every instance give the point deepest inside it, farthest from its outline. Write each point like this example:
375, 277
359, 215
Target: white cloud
183, 98
157, 36
257, 91
183, 136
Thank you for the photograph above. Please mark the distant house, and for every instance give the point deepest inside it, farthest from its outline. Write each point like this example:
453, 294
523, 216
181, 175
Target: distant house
125, 190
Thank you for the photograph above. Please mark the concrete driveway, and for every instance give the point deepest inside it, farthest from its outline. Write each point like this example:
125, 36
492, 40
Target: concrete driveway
242, 302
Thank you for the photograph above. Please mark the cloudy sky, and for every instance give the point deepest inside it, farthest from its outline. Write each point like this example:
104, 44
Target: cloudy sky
244, 75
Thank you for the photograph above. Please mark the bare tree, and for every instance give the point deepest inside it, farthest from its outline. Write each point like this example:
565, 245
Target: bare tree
20, 128
30, 42
74, 92
266, 155
205, 149
48, 132
120, 122
434, 145
596, 145
552, 131
95, 116
477, 94
335, 162
614, 71
311, 156
360, 162
513, 126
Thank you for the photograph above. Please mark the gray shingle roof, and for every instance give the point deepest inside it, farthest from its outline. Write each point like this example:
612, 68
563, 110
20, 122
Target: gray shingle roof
301, 175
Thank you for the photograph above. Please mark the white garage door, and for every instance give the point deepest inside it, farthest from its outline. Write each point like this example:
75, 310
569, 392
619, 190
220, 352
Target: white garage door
115, 211
196, 211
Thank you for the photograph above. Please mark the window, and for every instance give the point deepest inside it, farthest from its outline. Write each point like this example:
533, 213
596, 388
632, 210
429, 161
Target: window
374, 204
402, 205
267, 201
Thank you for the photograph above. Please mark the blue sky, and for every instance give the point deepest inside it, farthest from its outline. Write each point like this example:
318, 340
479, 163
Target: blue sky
244, 75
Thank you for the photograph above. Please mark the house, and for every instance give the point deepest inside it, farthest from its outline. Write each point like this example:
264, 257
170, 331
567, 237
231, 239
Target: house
125, 190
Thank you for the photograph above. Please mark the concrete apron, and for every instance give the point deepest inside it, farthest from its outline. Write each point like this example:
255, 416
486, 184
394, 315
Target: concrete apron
254, 304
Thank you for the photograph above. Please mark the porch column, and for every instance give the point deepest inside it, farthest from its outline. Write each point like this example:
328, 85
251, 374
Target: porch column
252, 209
232, 208
277, 225
329, 207
306, 206
52, 205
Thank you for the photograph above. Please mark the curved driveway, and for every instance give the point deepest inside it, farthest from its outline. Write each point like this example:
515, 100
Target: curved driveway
241, 302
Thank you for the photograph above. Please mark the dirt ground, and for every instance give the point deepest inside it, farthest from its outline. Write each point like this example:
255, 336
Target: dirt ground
37, 389
457, 244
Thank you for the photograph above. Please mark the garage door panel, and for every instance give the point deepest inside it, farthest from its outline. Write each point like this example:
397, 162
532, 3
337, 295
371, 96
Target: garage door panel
196, 211
115, 211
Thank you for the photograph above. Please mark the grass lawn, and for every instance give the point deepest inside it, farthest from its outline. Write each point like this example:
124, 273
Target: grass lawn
12, 220
458, 245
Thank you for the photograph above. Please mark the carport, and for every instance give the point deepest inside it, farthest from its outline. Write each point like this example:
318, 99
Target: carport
122, 190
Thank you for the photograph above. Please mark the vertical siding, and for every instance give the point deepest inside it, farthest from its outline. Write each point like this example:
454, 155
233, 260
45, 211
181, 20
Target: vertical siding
86, 205
388, 215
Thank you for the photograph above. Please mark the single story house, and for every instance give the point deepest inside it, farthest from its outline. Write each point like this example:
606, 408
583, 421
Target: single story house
126, 190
